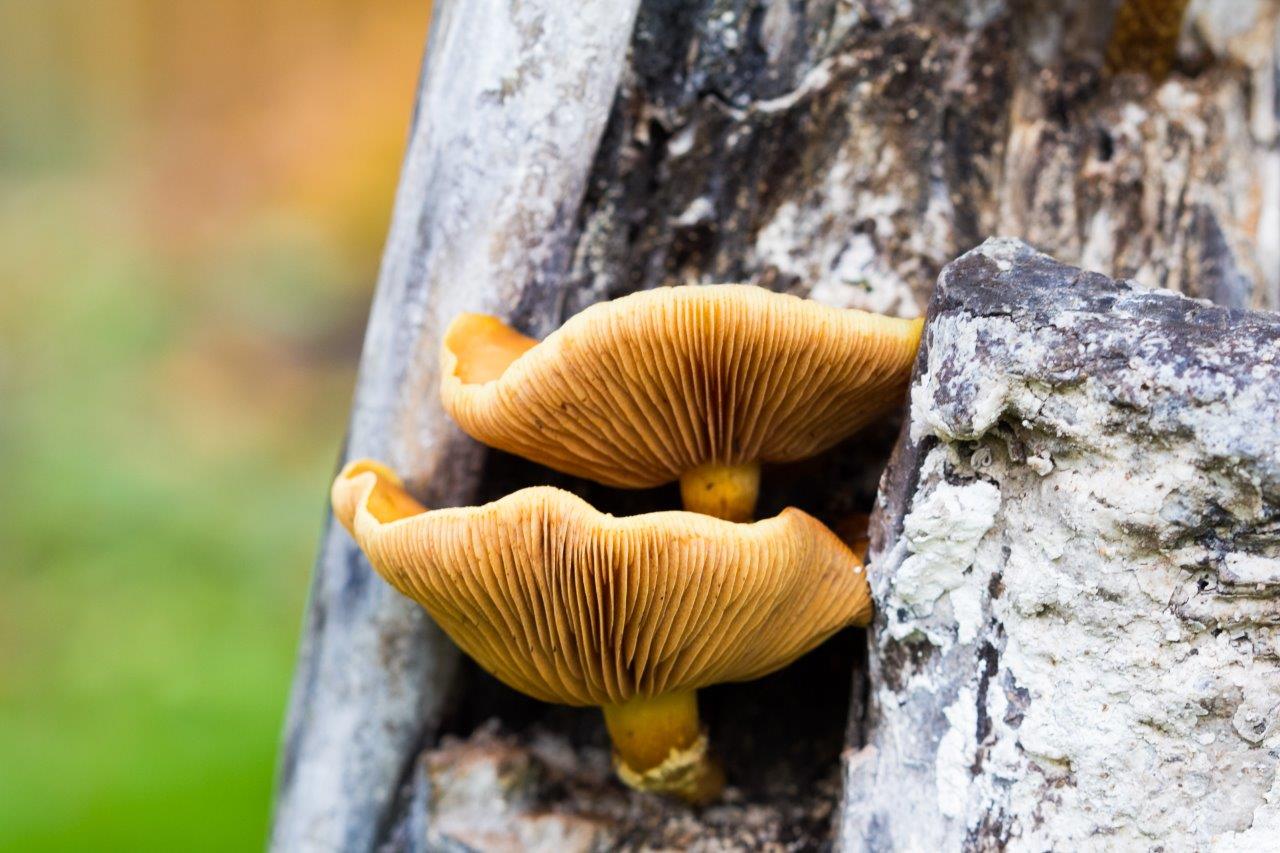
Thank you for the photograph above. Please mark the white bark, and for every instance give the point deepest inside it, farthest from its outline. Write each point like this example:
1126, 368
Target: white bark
513, 102
1078, 574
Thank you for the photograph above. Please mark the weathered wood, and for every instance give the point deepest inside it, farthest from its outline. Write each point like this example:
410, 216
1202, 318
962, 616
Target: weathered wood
513, 101
1077, 568
849, 151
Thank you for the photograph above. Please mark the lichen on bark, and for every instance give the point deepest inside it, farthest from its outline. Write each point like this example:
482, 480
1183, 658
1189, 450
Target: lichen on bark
1099, 674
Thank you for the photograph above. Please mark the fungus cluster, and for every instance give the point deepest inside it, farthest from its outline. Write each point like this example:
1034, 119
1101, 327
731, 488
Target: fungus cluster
634, 615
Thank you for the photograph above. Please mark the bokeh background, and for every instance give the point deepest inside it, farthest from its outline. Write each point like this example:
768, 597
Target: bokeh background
193, 197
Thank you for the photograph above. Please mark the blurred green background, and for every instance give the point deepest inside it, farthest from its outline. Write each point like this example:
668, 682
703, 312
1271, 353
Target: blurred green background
192, 201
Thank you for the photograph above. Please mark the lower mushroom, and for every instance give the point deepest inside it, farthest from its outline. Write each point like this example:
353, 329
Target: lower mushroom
631, 615
659, 746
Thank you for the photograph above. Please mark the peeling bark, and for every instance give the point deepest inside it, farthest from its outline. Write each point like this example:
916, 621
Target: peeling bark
1076, 561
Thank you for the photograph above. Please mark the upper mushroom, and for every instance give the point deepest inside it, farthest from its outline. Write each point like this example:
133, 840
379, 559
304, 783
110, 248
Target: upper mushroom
697, 384
573, 606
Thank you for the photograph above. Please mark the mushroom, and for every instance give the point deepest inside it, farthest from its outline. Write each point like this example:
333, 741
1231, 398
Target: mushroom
696, 384
632, 615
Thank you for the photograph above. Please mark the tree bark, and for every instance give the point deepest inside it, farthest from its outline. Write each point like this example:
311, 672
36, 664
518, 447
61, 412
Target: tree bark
564, 154
1077, 572
511, 107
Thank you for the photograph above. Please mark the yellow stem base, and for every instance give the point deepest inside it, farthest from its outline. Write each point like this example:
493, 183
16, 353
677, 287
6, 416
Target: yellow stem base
659, 747
725, 491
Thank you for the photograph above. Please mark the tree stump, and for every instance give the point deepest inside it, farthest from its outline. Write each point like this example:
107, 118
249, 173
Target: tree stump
1076, 562
565, 154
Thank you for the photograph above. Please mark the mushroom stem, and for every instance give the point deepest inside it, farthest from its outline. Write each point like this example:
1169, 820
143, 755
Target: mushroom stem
725, 491
659, 747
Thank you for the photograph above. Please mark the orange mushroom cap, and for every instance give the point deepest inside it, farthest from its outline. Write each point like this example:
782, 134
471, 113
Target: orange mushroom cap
573, 606
638, 391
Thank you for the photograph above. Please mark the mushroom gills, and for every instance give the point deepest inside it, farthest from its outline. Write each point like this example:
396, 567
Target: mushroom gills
691, 383
631, 615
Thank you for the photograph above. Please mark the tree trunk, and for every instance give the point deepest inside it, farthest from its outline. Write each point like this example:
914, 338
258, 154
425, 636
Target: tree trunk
510, 111
1077, 566
566, 153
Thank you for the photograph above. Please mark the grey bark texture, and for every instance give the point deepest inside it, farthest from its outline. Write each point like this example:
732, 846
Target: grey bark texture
1076, 562
561, 154
512, 105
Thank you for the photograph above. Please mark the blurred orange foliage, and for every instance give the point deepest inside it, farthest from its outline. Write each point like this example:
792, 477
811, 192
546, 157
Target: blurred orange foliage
218, 111
300, 104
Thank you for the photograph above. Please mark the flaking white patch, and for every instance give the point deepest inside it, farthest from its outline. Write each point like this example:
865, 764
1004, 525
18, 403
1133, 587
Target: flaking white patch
820, 241
966, 606
955, 755
1263, 834
942, 534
